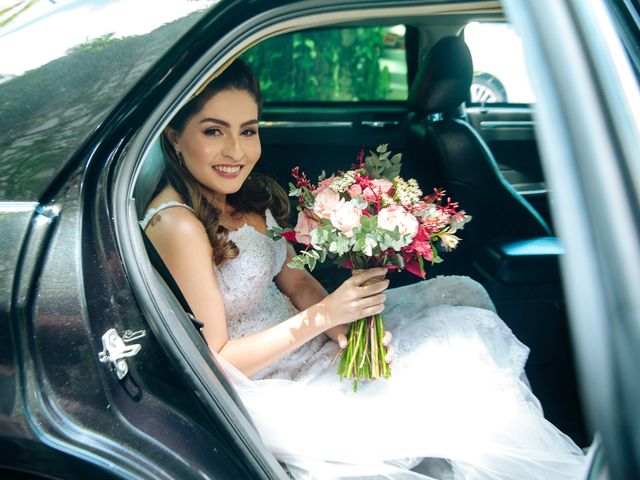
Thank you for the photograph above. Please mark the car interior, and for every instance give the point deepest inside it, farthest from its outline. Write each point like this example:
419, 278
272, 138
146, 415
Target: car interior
483, 154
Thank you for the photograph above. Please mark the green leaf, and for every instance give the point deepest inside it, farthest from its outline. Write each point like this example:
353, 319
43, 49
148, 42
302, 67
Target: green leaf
296, 263
275, 233
421, 263
396, 260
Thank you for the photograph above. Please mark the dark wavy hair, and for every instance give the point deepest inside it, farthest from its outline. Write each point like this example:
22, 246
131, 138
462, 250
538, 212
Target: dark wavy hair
257, 193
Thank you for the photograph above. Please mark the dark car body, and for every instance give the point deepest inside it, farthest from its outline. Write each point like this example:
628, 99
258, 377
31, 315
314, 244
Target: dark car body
73, 136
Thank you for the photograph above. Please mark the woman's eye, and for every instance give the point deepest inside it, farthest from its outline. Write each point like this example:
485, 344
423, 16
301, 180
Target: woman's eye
213, 131
249, 132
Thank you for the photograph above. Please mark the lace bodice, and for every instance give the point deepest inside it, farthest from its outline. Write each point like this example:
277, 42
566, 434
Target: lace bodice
245, 280
252, 300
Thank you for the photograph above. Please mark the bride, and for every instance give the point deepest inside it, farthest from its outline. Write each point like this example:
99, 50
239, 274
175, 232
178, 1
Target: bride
458, 404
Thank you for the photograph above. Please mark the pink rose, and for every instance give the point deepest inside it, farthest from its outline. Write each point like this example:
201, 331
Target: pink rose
324, 184
377, 188
326, 202
369, 195
346, 218
304, 227
354, 190
381, 185
395, 216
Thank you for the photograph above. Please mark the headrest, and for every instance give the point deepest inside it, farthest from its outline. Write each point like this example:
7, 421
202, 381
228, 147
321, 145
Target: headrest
443, 79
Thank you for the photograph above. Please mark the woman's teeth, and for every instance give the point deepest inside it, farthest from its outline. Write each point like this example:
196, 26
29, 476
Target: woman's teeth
225, 169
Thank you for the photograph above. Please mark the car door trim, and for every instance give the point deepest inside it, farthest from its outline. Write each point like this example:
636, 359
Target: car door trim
305, 124
506, 124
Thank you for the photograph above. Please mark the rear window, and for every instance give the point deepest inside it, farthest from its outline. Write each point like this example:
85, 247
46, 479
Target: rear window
499, 72
332, 65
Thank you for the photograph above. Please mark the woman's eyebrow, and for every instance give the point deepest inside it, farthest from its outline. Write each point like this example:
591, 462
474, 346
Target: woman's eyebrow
226, 124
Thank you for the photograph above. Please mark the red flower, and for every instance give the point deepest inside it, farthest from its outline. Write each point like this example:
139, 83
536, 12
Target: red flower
421, 244
414, 267
301, 179
291, 236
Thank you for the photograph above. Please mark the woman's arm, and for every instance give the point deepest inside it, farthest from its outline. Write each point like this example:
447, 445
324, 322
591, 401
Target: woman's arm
304, 290
183, 244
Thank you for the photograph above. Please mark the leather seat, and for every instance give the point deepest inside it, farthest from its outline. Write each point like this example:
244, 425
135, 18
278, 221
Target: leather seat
148, 177
446, 151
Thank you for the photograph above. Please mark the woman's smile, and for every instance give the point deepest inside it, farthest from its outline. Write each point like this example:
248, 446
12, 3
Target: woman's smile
227, 171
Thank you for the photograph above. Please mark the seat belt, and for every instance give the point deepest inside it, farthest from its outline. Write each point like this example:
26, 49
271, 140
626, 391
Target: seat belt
162, 269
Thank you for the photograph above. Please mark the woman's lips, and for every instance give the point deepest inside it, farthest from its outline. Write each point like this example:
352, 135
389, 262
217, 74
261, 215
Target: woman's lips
227, 171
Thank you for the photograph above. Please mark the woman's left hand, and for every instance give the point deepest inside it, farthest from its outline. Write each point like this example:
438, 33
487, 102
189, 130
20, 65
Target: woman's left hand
386, 341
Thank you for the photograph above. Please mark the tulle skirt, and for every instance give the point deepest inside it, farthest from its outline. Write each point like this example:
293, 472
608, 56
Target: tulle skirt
457, 406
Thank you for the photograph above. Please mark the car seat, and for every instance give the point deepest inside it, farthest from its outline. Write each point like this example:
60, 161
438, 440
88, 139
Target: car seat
446, 151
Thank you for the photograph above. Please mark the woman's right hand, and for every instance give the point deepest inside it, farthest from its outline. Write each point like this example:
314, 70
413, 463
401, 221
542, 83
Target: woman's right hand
357, 298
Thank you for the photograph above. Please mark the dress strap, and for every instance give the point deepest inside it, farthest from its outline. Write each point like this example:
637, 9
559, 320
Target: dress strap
153, 211
270, 219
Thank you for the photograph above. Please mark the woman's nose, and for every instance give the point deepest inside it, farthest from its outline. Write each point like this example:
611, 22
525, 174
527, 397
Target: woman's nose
233, 149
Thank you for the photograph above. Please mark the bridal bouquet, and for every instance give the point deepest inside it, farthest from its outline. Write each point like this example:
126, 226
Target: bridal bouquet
366, 217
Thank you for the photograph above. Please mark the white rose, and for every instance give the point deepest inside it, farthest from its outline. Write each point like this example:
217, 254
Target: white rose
346, 218
395, 216
326, 202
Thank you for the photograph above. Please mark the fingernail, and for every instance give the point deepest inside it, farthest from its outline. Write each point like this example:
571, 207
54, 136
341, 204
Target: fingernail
343, 343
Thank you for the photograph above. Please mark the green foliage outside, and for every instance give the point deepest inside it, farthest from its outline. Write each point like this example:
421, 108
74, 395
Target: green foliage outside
322, 65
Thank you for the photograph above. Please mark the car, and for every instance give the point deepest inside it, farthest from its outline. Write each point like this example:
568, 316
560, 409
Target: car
102, 373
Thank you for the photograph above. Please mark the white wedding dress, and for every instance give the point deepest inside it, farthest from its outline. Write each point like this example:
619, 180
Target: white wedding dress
457, 390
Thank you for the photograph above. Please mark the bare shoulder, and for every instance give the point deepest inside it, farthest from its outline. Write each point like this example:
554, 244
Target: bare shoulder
177, 226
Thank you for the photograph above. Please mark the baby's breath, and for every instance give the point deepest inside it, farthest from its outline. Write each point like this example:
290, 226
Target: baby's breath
407, 192
343, 182
386, 200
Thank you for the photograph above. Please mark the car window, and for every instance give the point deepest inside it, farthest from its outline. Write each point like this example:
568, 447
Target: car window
76, 59
499, 73
332, 65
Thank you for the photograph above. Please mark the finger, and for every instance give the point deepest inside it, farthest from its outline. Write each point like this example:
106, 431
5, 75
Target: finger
371, 300
342, 341
365, 275
373, 310
386, 339
375, 287
390, 353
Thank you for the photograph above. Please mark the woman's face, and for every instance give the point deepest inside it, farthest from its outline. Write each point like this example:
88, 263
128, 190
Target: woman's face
220, 144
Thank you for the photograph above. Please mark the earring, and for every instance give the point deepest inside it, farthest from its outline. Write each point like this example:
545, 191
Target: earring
180, 158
